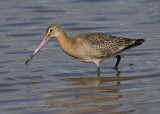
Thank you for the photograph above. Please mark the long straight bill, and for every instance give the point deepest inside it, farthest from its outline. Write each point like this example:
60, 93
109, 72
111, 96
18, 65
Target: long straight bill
45, 40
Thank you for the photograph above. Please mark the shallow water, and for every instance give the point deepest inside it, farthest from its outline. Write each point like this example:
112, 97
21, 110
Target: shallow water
53, 82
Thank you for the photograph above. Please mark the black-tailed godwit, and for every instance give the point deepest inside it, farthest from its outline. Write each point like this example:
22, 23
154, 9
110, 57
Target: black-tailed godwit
90, 47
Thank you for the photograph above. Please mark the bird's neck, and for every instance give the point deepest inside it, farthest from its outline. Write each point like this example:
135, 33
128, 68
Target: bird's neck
65, 43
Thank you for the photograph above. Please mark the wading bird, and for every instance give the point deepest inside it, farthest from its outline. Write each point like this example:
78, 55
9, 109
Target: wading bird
90, 47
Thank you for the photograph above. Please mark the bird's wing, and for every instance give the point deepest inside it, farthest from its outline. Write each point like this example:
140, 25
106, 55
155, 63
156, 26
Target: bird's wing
106, 44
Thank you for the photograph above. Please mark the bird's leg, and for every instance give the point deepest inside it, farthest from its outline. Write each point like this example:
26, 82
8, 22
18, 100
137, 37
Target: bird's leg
98, 71
118, 60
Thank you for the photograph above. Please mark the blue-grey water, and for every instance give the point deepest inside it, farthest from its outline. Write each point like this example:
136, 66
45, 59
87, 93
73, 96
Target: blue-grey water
54, 82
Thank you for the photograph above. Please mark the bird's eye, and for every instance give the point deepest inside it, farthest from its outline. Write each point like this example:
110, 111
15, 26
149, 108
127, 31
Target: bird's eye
50, 30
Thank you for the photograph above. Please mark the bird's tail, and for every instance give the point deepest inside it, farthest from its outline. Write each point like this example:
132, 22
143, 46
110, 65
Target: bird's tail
138, 42
135, 43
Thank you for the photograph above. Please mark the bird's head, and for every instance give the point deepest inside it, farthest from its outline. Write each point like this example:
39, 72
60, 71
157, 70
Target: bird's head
53, 31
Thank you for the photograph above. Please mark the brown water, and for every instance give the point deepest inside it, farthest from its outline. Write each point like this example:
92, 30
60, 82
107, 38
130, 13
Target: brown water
53, 82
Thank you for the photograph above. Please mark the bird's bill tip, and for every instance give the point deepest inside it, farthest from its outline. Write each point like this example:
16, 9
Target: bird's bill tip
26, 62
29, 59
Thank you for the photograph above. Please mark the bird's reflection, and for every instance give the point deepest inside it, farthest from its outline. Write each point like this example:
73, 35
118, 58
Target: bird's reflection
95, 80
118, 72
87, 94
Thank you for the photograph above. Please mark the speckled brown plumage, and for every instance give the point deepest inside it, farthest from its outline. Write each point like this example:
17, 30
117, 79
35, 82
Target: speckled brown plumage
107, 45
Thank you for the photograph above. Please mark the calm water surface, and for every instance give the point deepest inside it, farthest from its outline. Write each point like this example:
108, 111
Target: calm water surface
53, 82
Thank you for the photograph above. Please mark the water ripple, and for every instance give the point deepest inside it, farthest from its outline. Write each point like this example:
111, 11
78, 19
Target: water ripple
21, 24
23, 35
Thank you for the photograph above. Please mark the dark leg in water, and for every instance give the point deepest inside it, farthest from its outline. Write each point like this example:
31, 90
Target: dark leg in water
118, 60
98, 71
